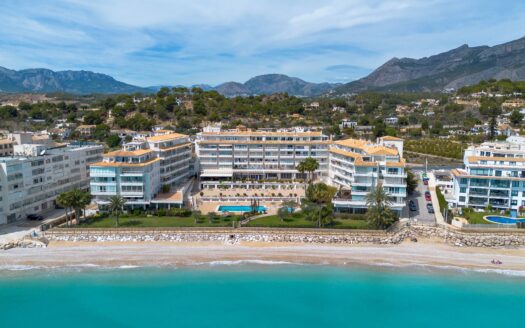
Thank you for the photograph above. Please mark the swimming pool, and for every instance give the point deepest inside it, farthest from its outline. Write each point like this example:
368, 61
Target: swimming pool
239, 208
502, 219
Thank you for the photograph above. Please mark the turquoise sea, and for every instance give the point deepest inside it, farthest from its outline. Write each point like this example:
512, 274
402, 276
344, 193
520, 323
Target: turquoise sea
259, 296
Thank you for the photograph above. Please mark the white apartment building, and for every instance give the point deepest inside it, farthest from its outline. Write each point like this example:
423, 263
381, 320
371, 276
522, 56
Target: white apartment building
494, 174
142, 169
30, 184
226, 157
357, 166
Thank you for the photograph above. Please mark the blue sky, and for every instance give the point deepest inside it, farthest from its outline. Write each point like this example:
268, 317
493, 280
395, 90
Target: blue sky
187, 42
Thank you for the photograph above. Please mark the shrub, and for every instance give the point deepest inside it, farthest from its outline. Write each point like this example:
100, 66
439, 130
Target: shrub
184, 212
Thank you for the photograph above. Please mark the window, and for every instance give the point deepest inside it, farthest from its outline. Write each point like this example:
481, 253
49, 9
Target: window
497, 173
515, 184
514, 193
461, 198
463, 190
514, 202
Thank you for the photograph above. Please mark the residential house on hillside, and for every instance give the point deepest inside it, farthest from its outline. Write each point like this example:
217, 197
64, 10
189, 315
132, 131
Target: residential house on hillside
6, 147
86, 131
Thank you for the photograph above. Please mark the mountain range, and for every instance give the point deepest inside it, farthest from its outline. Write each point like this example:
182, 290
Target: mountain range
452, 69
268, 84
274, 83
79, 82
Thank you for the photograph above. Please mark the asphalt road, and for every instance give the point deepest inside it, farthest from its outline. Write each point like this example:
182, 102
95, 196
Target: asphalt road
418, 196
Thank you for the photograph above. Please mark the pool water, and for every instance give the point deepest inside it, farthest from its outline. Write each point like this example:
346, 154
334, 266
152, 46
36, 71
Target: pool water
502, 219
239, 208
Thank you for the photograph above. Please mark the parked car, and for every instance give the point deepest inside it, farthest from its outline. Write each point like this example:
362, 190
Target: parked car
35, 217
430, 208
412, 206
428, 198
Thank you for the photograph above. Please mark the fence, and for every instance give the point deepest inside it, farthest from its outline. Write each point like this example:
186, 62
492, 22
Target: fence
492, 227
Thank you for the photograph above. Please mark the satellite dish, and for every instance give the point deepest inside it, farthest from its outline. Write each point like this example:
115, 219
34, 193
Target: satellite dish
43, 152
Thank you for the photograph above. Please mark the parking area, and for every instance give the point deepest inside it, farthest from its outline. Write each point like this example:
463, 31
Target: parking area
418, 196
16, 230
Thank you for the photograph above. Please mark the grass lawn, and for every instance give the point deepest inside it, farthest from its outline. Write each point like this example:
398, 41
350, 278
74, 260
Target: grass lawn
477, 217
158, 221
298, 221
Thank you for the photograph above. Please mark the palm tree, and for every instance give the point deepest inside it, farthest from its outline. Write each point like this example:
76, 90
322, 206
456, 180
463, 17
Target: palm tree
86, 201
116, 203
64, 200
318, 203
379, 213
320, 193
79, 200
309, 165
319, 213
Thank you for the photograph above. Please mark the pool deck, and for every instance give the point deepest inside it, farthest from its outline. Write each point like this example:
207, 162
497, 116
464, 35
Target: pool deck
207, 207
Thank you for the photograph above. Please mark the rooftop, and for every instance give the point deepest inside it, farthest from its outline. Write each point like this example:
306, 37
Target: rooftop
123, 153
166, 137
390, 138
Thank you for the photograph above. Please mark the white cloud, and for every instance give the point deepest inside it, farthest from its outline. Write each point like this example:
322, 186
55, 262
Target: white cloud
205, 41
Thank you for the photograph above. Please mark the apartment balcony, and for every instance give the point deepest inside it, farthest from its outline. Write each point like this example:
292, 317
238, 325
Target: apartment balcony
106, 184
366, 174
138, 183
132, 173
477, 201
499, 202
478, 193
499, 193
479, 185
388, 175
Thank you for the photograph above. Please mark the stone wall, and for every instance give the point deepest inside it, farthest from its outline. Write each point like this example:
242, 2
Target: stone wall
337, 237
232, 236
460, 238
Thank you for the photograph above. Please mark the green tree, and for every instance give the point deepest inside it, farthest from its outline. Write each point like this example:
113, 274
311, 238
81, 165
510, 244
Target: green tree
113, 140
493, 123
321, 214
424, 125
79, 199
93, 118
116, 204
284, 212
64, 200
411, 181
318, 203
320, 193
309, 165
379, 213
516, 117
379, 129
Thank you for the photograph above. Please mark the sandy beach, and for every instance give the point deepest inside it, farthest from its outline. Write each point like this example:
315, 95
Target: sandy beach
120, 254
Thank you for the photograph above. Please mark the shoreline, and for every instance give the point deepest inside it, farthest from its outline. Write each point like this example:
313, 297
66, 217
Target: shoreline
427, 253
